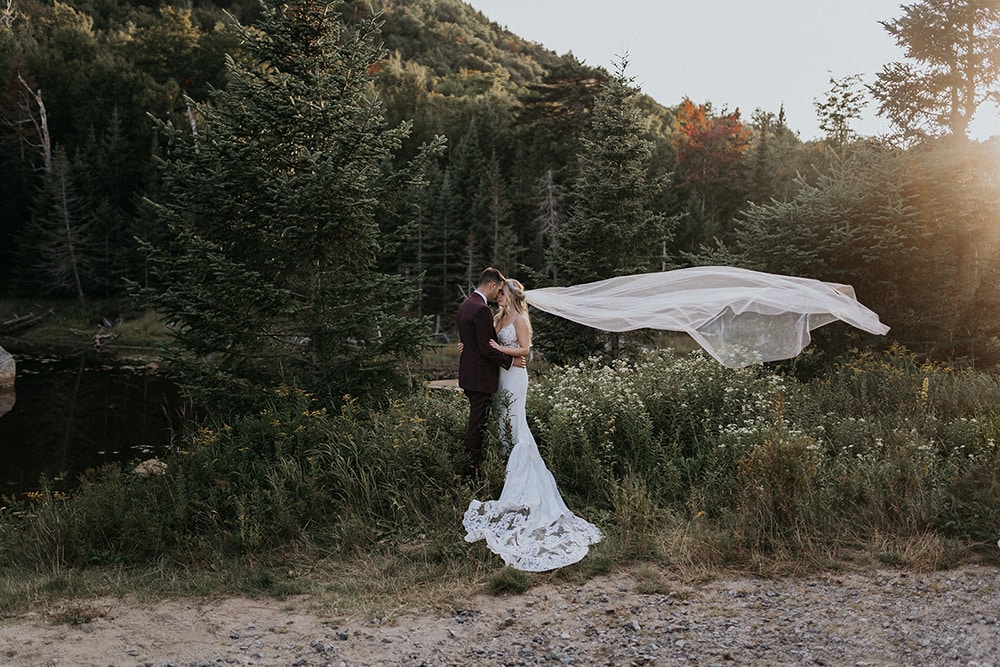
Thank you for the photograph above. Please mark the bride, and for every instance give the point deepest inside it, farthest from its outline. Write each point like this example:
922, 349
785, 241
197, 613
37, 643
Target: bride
529, 526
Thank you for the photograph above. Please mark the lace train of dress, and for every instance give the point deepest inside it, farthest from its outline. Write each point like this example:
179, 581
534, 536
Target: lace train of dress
529, 526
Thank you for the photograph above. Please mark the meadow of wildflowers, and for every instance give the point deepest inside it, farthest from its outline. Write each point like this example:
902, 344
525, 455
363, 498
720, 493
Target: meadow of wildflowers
675, 457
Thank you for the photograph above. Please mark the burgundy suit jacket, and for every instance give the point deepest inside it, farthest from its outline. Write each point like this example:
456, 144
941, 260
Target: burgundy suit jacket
479, 366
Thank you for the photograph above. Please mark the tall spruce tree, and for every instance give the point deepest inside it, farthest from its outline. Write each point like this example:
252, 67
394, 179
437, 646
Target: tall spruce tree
107, 179
477, 185
775, 158
56, 249
549, 216
611, 229
953, 66
273, 208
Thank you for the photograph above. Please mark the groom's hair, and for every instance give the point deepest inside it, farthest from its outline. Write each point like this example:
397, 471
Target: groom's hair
490, 275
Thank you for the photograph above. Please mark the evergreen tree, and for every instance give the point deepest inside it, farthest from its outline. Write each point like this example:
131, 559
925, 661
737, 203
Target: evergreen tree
899, 227
610, 230
274, 208
550, 216
954, 68
108, 179
56, 252
843, 103
504, 245
554, 113
444, 242
776, 157
476, 185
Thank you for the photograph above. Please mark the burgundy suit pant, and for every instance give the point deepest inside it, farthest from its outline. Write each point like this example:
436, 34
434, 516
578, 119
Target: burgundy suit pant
479, 402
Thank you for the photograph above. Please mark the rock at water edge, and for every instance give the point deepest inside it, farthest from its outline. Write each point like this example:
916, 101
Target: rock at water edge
7, 369
7, 400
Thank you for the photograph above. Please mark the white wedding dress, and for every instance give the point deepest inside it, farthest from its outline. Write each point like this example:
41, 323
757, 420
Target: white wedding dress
530, 526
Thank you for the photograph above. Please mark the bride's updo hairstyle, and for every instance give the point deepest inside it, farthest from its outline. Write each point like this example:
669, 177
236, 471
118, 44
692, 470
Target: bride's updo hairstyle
513, 290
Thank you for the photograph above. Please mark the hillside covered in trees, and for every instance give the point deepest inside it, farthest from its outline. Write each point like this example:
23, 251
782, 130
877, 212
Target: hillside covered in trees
518, 157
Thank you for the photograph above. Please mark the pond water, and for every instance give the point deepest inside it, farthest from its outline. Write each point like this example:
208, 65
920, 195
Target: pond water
74, 412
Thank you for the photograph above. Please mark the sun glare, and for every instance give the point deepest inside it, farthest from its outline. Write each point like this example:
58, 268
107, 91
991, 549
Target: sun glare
986, 123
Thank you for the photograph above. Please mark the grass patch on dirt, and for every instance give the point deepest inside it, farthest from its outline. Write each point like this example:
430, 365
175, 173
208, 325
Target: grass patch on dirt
110, 322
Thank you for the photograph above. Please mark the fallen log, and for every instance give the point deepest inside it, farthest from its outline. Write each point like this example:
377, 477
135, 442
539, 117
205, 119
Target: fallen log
19, 323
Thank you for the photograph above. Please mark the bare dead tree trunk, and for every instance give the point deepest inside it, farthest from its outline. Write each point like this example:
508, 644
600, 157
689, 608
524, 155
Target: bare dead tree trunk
68, 231
9, 14
191, 121
470, 261
41, 123
549, 219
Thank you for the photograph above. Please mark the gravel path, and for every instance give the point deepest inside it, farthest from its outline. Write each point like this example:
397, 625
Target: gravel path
880, 618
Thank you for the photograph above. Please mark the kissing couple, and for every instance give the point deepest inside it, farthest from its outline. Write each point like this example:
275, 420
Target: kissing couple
529, 526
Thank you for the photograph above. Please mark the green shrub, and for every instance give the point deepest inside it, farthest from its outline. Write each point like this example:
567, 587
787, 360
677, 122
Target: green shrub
271, 476
777, 481
970, 502
111, 518
290, 474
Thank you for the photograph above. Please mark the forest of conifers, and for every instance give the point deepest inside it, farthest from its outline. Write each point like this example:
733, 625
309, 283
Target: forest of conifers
555, 171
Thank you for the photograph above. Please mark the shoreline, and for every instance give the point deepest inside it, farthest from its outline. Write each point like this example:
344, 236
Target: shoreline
883, 616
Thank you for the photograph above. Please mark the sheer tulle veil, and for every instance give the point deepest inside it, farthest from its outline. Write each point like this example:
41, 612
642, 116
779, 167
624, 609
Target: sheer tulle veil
738, 316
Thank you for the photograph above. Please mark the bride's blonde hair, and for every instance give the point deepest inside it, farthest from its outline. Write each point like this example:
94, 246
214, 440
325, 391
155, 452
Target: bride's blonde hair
513, 290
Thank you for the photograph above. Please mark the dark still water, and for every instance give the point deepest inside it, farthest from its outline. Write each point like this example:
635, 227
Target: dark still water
77, 412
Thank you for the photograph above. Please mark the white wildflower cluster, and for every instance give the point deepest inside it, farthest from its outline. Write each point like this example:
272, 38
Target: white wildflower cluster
589, 392
590, 418
930, 441
691, 394
925, 446
967, 438
860, 441
850, 436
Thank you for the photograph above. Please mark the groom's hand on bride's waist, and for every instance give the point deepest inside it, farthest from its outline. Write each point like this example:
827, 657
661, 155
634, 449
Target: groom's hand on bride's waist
520, 362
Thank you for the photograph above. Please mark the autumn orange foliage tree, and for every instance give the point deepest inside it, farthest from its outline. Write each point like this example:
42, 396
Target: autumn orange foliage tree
710, 150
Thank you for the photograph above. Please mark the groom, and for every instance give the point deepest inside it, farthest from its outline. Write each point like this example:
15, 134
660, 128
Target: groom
479, 366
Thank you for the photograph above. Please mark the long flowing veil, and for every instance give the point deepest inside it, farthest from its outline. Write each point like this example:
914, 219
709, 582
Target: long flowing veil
738, 316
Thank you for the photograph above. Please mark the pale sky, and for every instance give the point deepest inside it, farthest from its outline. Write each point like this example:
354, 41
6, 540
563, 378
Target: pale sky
744, 54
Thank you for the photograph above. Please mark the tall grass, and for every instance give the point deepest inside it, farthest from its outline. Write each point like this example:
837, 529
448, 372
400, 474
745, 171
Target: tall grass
680, 461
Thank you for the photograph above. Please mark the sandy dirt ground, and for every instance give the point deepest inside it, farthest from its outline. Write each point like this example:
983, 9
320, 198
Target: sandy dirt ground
877, 618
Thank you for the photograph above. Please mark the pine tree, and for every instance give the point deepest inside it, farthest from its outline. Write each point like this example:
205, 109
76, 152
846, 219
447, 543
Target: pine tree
273, 209
443, 244
55, 247
505, 250
952, 68
611, 229
776, 157
104, 168
476, 193
843, 103
549, 217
